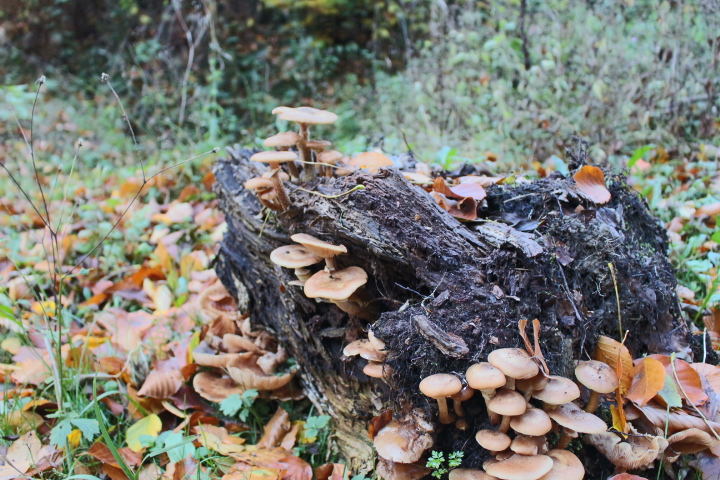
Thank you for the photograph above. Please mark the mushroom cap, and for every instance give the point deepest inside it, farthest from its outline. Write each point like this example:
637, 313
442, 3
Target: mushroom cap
521, 467
559, 390
306, 115
483, 376
330, 156
388, 470
573, 417
294, 256
533, 422
318, 247
317, 144
279, 110
376, 342
465, 394
337, 285
440, 385
566, 466
507, 402
214, 387
237, 343
525, 445
401, 442
365, 349
377, 370
691, 440
282, 139
468, 474
281, 175
274, 157
492, 440
245, 370
597, 376
513, 362
637, 451
371, 161
258, 183
538, 382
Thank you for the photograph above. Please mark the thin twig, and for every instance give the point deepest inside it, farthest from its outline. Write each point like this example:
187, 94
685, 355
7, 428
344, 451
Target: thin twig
617, 296
355, 188
40, 82
692, 404
67, 185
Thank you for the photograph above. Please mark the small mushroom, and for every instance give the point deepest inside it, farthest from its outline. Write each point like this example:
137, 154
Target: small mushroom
486, 378
462, 396
214, 387
526, 445
371, 161
521, 467
558, 390
570, 416
306, 116
244, 369
566, 466
322, 249
297, 257
515, 363
439, 387
274, 159
365, 349
468, 474
404, 440
533, 422
507, 403
237, 343
493, 440
377, 370
339, 286
283, 141
330, 157
598, 377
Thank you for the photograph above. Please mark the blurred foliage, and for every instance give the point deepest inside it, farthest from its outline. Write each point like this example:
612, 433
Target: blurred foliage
515, 77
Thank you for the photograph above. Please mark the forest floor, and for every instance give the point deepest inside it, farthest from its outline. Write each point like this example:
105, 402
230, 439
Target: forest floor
147, 278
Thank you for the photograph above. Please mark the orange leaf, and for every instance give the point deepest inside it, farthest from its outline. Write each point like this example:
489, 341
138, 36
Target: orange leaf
689, 380
708, 210
626, 476
591, 184
465, 209
648, 380
275, 430
330, 471
161, 384
459, 192
608, 351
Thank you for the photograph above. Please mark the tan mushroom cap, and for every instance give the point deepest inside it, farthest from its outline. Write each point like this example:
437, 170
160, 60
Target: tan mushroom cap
245, 370
513, 362
533, 422
559, 390
319, 247
274, 157
338, 285
440, 385
237, 343
214, 387
319, 144
330, 156
524, 445
566, 466
468, 474
258, 183
294, 256
365, 349
521, 467
597, 376
483, 376
637, 451
573, 417
492, 440
690, 441
375, 341
282, 139
401, 442
279, 110
377, 370
371, 161
507, 402
281, 175
306, 115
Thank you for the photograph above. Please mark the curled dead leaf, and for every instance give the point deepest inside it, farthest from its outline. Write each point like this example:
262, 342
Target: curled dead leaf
161, 384
607, 351
465, 209
590, 183
215, 387
244, 369
275, 430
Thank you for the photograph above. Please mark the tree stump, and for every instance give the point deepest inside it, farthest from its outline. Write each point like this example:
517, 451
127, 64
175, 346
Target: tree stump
450, 292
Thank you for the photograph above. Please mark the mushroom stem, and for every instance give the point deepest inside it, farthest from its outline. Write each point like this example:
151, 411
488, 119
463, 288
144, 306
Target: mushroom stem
445, 417
294, 172
279, 188
305, 152
488, 394
331, 264
457, 406
565, 439
510, 383
505, 425
349, 306
592, 402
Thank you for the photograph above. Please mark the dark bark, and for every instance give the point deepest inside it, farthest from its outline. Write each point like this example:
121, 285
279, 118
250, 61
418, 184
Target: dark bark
450, 292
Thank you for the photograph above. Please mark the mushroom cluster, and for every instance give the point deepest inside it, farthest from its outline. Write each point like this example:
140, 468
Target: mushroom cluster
525, 403
371, 349
342, 287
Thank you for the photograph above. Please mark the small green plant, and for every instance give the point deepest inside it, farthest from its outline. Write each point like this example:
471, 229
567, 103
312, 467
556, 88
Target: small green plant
240, 405
437, 462
314, 426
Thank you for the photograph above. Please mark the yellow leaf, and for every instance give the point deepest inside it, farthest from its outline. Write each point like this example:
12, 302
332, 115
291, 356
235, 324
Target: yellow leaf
618, 419
11, 345
74, 438
150, 425
608, 351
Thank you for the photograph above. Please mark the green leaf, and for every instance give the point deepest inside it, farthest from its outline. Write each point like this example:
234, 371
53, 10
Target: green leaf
88, 427
7, 312
670, 393
638, 154
177, 447
716, 237
59, 433
231, 405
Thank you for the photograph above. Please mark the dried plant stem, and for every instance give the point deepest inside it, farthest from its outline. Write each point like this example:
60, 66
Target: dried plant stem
617, 297
677, 380
355, 188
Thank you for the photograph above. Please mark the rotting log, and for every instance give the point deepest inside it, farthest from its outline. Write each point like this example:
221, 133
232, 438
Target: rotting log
450, 292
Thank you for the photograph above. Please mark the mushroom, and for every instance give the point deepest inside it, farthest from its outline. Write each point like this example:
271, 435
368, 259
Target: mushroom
377, 370
330, 157
340, 286
214, 387
526, 445
283, 141
324, 250
371, 161
635, 451
244, 369
531, 385
365, 349
493, 440
558, 390
689, 441
375, 341
297, 257
439, 387
521, 467
566, 466
486, 378
515, 363
306, 116
388, 470
507, 403
274, 159
468, 474
205, 356
598, 377
571, 417
533, 422
237, 343
404, 440
462, 396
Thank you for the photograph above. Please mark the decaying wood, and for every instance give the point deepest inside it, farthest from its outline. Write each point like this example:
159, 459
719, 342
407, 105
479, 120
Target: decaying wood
450, 292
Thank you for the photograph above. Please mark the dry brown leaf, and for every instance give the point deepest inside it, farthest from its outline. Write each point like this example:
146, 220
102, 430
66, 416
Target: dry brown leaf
214, 387
708, 210
677, 420
465, 209
590, 183
22, 454
243, 471
707, 465
288, 441
330, 471
648, 380
115, 473
161, 384
295, 467
711, 373
275, 430
692, 390
607, 351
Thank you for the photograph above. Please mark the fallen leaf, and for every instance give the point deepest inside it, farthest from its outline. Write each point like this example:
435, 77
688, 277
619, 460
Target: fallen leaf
648, 380
590, 183
150, 425
669, 394
690, 384
607, 351
161, 384
330, 471
22, 454
710, 210
465, 209
295, 467
275, 430
711, 373
707, 465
